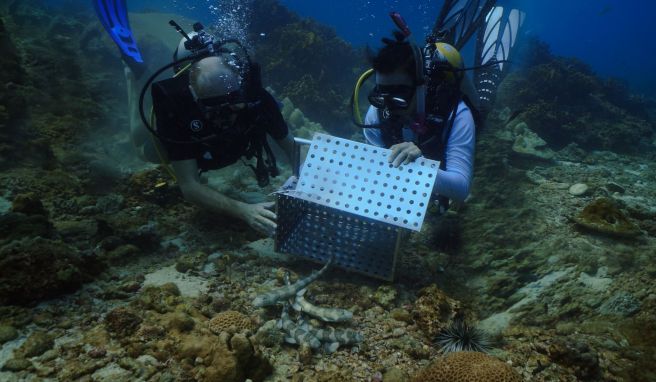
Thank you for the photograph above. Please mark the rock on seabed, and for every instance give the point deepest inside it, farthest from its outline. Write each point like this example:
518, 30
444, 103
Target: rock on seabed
578, 189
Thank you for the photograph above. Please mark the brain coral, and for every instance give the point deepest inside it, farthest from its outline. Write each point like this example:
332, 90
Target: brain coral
230, 321
467, 367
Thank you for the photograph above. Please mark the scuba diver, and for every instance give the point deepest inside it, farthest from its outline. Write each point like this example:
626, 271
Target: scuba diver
423, 105
209, 115
446, 132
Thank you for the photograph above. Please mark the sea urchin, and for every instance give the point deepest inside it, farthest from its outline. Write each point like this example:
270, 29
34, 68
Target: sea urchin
460, 336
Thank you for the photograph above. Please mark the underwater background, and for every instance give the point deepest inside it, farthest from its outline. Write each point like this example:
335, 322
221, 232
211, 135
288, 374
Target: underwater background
106, 273
612, 36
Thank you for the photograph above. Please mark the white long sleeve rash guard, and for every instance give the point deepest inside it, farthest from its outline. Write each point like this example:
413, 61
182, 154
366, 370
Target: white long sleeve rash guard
455, 181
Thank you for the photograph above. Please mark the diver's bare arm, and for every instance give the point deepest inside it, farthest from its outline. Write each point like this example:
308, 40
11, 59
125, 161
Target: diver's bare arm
201, 195
259, 216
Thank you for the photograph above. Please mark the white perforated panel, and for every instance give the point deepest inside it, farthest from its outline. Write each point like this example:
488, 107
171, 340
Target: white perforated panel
356, 177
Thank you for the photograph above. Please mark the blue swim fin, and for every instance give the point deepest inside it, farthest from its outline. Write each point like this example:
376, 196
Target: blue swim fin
113, 15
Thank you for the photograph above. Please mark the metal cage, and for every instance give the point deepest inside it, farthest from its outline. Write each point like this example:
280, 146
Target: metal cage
348, 201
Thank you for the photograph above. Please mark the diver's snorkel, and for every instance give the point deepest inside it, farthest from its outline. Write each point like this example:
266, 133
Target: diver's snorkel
401, 24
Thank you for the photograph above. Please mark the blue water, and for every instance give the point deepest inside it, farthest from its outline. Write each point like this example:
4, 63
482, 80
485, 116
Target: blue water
613, 36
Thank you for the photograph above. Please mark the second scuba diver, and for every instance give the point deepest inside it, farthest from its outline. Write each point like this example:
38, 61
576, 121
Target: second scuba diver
213, 112
417, 109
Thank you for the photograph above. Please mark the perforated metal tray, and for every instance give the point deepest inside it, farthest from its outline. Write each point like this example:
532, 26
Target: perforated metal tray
356, 177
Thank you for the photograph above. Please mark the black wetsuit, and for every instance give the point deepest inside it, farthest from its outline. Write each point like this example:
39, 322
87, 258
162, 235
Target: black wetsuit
181, 124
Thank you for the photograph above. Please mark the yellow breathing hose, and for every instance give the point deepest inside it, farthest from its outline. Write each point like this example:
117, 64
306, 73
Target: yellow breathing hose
162, 159
356, 93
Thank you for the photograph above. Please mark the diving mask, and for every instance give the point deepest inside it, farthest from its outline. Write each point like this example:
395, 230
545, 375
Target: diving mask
392, 97
223, 105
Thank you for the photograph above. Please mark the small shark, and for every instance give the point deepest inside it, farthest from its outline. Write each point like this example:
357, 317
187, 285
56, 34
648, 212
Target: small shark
300, 304
296, 334
302, 333
332, 338
273, 296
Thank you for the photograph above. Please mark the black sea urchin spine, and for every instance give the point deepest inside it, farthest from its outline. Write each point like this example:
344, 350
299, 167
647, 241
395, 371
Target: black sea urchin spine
460, 336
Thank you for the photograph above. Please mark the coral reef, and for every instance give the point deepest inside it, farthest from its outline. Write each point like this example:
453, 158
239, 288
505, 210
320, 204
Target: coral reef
12, 107
51, 98
122, 322
467, 367
35, 345
159, 299
231, 322
385, 296
12, 71
28, 204
563, 101
143, 343
190, 261
306, 62
33, 269
570, 306
7, 333
433, 310
300, 126
603, 216
530, 145
17, 226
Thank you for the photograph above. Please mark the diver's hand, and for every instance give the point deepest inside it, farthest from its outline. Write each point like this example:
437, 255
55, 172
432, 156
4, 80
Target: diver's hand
260, 217
403, 153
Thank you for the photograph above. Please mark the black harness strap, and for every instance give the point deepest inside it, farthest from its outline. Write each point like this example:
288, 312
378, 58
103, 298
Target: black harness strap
258, 148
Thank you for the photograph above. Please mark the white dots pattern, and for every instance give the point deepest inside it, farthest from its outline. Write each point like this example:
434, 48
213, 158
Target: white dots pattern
357, 178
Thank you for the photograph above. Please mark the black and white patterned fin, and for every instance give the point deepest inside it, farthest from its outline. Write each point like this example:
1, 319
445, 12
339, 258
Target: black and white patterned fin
495, 42
459, 20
